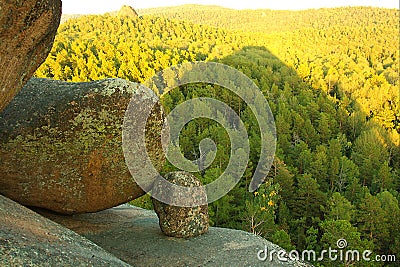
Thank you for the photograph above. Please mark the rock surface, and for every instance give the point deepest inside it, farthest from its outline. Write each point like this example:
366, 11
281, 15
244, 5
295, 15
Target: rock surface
27, 31
60, 145
28, 239
181, 221
133, 235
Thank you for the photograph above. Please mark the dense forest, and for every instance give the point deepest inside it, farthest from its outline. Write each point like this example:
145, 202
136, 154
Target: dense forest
331, 77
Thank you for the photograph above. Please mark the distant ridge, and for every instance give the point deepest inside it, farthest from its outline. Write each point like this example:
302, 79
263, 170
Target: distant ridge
125, 11
267, 20
260, 20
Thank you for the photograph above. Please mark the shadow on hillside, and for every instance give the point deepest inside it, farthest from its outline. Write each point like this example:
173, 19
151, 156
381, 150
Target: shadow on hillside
281, 84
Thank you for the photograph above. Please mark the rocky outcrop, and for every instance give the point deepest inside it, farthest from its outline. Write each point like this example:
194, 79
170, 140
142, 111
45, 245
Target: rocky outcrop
133, 235
176, 221
61, 147
127, 11
28, 239
121, 236
27, 31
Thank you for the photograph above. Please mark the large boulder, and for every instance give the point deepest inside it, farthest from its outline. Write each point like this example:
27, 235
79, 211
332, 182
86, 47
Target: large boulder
133, 235
28, 239
61, 145
27, 31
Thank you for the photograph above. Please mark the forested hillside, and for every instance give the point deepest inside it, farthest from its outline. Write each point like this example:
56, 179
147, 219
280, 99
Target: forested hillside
331, 77
270, 21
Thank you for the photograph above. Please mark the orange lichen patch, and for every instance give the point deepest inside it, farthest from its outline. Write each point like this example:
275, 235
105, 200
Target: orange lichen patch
95, 164
94, 180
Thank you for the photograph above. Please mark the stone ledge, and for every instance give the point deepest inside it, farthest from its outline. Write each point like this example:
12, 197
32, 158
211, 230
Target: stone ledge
133, 235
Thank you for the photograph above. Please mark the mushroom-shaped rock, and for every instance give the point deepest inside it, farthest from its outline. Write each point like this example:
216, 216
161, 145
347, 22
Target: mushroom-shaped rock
61, 144
177, 221
27, 31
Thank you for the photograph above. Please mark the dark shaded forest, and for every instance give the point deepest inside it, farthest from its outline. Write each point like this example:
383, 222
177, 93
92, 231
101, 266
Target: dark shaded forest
331, 77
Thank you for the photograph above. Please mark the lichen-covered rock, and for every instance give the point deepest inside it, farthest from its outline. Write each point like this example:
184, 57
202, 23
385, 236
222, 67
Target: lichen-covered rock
28, 239
181, 221
27, 31
61, 144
